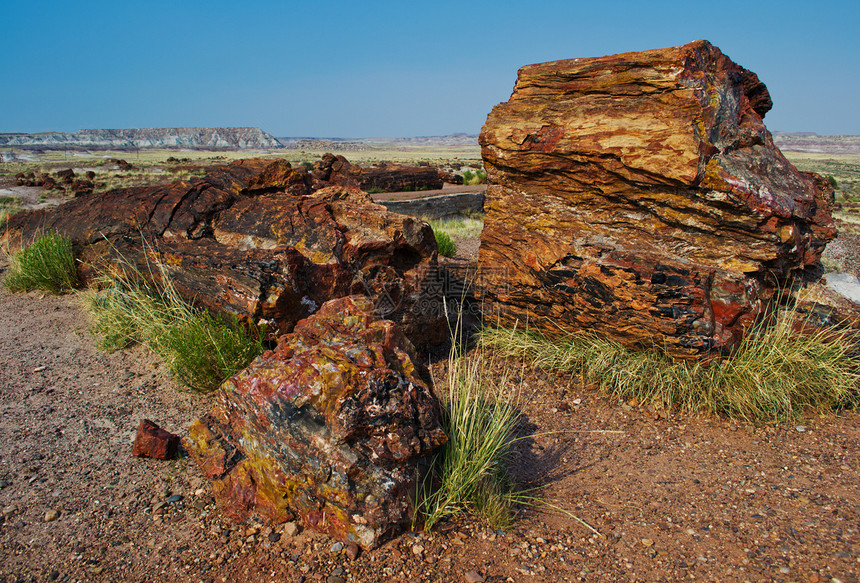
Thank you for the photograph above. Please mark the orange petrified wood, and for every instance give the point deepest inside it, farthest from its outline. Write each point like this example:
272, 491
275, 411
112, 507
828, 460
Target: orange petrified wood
641, 196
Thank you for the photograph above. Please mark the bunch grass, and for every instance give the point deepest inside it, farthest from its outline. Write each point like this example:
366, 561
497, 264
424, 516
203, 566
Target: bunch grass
47, 264
446, 245
461, 227
200, 349
470, 473
775, 374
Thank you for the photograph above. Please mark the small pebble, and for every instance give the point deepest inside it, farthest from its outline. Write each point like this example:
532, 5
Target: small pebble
800, 428
175, 498
473, 577
274, 537
51, 515
352, 551
417, 549
337, 547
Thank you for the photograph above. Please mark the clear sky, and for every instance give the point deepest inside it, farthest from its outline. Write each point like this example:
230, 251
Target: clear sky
340, 68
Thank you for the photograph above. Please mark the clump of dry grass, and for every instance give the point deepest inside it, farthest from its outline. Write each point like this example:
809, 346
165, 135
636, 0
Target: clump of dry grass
776, 373
201, 349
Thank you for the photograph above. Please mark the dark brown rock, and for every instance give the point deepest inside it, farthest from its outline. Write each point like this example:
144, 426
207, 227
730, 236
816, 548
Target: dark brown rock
386, 177
265, 257
82, 187
154, 442
66, 176
331, 426
641, 196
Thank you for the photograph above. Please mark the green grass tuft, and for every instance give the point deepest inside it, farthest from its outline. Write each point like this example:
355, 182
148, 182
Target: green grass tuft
201, 350
461, 227
447, 247
48, 264
472, 178
775, 374
205, 350
471, 470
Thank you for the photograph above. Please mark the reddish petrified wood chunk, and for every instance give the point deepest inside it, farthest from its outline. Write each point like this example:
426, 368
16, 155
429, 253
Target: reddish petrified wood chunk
154, 442
331, 426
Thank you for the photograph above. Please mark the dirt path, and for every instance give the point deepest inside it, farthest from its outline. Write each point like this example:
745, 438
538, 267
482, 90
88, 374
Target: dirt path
672, 499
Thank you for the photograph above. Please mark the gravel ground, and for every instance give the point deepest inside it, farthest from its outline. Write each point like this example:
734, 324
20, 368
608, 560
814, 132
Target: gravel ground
631, 495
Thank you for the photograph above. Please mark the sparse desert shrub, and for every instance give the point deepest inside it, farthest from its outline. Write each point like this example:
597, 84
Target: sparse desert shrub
832, 181
480, 415
201, 349
48, 264
447, 247
776, 373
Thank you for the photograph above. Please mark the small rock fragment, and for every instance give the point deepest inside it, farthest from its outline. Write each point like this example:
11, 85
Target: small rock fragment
154, 442
352, 551
474, 577
291, 529
51, 515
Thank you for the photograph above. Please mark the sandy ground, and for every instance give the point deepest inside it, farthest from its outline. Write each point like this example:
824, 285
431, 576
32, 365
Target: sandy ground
668, 499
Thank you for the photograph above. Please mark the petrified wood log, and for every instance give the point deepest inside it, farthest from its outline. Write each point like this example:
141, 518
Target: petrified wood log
385, 177
331, 425
250, 239
641, 196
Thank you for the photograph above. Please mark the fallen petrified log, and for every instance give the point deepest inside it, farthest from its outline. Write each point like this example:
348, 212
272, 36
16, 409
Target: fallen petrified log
641, 196
386, 177
252, 240
331, 425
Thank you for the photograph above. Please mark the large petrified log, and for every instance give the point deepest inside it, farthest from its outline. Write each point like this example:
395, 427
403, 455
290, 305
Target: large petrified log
251, 239
331, 425
385, 177
641, 196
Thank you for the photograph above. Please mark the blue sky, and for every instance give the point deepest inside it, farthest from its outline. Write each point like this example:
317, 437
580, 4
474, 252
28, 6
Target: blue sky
377, 68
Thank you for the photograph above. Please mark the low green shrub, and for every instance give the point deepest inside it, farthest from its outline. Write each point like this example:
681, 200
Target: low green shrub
200, 349
775, 374
48, 264
447, 247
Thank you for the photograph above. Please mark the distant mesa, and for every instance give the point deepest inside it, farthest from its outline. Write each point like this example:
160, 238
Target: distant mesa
812, 143
455, 140
132, 139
